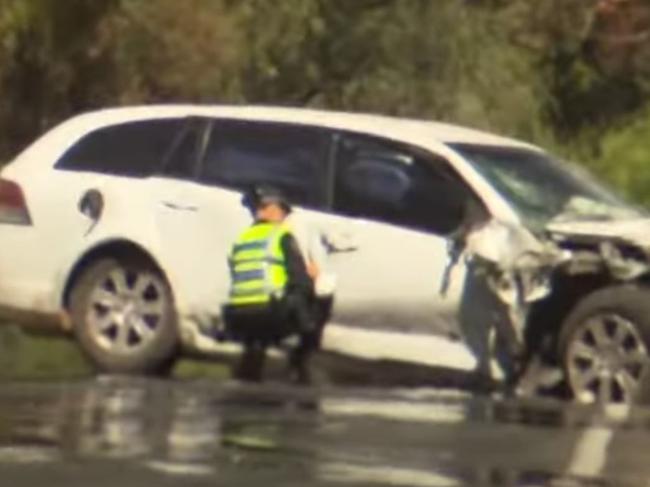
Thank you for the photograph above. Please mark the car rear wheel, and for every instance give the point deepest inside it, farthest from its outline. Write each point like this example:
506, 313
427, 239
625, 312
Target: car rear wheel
604, 345
123, 317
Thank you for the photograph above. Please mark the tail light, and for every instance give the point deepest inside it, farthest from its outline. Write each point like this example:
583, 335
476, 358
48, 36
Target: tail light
13, 208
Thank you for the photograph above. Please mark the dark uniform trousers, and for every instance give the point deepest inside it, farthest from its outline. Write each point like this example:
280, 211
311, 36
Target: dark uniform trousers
258, 327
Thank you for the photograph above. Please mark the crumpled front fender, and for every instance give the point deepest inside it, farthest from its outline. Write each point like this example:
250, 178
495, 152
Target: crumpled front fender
517, 264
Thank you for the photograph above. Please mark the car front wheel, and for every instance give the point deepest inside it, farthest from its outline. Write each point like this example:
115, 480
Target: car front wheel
123, 317
604, 345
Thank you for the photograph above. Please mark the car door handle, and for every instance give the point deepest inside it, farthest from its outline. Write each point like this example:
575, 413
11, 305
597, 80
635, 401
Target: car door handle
179, 207
337, 242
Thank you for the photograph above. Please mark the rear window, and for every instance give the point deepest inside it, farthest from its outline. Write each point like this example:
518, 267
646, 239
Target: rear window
132, 149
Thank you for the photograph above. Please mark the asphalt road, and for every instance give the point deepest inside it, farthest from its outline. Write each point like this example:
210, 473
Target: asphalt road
124, 432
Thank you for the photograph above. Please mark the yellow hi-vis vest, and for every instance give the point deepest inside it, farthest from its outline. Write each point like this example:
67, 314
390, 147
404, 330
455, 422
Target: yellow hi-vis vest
257, 265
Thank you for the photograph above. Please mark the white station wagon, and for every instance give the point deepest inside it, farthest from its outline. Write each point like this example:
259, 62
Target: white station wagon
115, 226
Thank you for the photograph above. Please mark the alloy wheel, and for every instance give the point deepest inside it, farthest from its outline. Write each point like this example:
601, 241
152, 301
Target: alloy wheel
606, 360
126, 310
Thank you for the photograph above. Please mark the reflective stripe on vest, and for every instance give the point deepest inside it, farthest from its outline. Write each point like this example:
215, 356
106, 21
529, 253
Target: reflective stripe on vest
257, 265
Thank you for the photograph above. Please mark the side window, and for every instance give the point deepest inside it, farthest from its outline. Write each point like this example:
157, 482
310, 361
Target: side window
183, 157
129, 149
395, 184
291, 157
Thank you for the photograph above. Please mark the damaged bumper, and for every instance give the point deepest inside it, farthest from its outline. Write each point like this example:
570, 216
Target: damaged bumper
517, 268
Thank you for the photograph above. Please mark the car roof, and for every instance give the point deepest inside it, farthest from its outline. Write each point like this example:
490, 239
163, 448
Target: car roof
381, 125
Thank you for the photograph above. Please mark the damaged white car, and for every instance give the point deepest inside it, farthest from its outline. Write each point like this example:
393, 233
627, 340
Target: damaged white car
449, 246
565, 286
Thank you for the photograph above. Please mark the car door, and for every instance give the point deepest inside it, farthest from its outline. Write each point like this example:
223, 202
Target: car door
203, 216
393, 208
188, 246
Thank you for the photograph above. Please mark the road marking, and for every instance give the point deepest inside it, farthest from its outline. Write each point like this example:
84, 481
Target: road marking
396, 410
590, 453
355, 474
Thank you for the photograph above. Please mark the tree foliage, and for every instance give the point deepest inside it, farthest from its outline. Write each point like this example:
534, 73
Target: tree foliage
566, 73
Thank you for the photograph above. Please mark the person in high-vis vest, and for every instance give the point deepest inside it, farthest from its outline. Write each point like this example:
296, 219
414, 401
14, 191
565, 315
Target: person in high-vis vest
271, 293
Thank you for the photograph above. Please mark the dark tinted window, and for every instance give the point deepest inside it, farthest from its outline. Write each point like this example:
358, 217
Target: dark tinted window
394, 184
287, 156
183, 157
130, 149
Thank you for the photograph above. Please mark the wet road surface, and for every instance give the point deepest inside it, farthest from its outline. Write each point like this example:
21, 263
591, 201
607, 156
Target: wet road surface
124, 432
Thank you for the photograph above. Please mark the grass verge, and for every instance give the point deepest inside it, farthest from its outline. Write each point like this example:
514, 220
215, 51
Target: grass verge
27, 356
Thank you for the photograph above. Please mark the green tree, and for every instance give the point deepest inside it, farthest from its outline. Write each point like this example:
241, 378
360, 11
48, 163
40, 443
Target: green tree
625, 158
172, 51
582, 52
48, 63
409, 57
547, 70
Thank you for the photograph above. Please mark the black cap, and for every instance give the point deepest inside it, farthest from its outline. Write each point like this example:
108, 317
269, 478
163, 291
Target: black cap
265, 194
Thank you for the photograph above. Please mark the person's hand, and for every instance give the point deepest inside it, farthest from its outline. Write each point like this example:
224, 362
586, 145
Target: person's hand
313, 270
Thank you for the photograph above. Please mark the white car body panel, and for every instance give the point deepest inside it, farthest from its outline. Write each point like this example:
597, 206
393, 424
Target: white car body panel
394, 272
197, 225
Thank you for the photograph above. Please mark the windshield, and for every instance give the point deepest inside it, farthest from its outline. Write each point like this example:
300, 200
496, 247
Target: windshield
542, 189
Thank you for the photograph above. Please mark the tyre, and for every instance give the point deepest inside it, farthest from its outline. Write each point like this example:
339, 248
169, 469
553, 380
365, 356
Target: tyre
604, 344
124, 318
